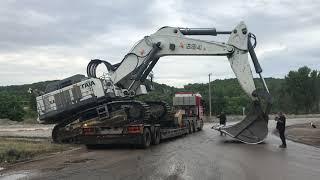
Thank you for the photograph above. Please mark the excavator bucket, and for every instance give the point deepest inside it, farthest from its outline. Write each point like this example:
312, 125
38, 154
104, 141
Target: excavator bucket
252, 130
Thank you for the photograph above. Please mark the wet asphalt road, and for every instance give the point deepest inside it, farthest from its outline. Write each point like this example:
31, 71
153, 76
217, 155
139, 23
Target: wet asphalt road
202, 155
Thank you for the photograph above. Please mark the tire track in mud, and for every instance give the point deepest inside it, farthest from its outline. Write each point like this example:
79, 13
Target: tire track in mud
202, 155
176, 156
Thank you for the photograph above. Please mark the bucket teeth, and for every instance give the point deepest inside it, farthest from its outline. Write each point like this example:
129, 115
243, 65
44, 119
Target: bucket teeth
252, 130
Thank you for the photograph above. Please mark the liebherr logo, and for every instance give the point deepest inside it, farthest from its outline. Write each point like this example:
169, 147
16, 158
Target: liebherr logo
88, 84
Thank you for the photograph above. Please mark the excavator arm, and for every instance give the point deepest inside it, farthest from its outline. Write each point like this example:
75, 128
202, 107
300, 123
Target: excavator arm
129, 75
170, 41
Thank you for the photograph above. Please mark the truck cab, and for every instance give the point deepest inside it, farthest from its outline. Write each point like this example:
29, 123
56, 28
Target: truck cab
189, 106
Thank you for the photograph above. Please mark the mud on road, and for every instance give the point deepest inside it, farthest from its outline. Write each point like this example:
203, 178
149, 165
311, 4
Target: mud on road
26, 130
202, 155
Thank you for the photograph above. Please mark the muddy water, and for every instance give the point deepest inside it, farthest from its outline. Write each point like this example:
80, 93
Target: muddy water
16, 175
203, 155
35, 130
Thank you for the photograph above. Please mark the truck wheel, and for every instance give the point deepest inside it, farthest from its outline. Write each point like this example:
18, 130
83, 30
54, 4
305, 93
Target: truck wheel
156, 136
55, 135
190, 127
201, 125
146, 138
193, 127
91, 146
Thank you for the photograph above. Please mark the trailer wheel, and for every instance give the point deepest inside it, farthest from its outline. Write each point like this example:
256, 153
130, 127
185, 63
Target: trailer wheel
156, 136
189, 127
91, 146
55, 135
201, 125
193, 127
146, 138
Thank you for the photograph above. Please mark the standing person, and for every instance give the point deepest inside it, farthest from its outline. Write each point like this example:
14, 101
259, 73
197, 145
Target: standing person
281, 127
223, 119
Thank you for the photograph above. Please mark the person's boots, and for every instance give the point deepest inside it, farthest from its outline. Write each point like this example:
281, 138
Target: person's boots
283, 146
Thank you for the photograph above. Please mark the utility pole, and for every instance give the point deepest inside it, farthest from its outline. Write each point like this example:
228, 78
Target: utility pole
209, 95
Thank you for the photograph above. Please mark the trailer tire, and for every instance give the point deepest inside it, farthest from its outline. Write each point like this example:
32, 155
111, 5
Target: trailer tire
189, 127
193, 127
91, 146
55, 135
201, 125
146, 138
156, 136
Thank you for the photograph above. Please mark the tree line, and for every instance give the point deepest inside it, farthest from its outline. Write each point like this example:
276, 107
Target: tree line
298, 92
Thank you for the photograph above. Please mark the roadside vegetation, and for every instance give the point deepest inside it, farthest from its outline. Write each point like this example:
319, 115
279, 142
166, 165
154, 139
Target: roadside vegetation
17, 104
14, 150
297, 93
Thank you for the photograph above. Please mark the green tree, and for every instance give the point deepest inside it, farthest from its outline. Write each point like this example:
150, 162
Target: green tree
302, 87
10, 107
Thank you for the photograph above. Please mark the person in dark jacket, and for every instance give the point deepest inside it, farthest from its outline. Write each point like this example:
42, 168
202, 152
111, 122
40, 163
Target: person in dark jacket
281, 127
223, 119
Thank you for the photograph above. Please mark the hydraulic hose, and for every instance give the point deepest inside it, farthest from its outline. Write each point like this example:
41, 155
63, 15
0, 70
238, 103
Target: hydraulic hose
93, 64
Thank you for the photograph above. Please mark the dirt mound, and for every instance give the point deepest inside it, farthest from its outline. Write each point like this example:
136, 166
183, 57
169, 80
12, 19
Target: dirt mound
304, 133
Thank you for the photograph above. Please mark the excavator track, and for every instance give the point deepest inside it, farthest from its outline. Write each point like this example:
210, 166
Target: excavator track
137, 111
161, 113
61, 135
160, 110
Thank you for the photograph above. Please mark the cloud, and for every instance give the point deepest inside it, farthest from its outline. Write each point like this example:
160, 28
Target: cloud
41, 40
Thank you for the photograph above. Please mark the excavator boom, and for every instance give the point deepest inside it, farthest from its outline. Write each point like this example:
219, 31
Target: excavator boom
171, 41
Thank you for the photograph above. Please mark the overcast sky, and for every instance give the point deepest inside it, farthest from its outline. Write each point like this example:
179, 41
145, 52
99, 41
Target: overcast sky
46, 40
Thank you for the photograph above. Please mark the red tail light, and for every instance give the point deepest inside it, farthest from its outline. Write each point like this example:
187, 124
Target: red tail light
88, 131
135, 129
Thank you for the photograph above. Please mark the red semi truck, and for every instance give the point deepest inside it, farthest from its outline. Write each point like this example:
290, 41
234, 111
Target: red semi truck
186, 116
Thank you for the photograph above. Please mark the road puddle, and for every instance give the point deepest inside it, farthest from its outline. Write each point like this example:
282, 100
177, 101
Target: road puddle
78, 161
16, 175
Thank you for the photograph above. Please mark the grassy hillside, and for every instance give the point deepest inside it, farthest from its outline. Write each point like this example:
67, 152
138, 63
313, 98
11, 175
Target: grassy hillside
226, 95
16, 103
